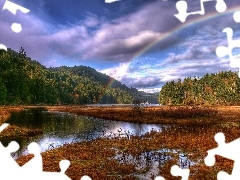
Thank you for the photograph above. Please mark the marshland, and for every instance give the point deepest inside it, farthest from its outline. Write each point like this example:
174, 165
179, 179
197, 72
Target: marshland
110, 149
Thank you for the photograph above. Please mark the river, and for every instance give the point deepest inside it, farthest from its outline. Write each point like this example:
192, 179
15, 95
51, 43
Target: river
60, 128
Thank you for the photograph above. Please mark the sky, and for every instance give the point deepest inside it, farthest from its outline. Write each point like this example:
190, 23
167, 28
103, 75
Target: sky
138, 42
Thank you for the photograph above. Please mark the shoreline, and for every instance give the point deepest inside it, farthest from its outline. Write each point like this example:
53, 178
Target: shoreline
156, 114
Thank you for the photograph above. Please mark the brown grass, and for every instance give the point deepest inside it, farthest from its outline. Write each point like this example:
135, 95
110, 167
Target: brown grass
156, 115
95, 158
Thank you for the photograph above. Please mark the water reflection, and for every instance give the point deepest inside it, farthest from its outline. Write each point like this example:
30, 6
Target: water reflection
60, 128
149, 163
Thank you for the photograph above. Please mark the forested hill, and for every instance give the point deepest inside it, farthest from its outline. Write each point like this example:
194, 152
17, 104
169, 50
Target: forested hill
222, 88
85, 71
24, 81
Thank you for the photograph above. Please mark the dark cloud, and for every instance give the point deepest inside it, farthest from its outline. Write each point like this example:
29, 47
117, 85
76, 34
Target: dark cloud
118, 32
144, 82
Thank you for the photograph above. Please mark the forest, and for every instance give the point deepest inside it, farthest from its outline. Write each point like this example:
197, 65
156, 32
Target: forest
222, 88
26, 81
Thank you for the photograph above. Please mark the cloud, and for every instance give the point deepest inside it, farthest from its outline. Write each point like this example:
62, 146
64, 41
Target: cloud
151, 90
122, 50
144, 82
118, 40
91, 21
117, 72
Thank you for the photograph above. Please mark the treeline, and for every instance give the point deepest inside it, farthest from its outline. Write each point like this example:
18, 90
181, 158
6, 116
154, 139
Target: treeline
24, 81
222, 88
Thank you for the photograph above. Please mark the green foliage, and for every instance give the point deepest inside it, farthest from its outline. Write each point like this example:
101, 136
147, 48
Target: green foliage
3, 92
24, 81
212, 89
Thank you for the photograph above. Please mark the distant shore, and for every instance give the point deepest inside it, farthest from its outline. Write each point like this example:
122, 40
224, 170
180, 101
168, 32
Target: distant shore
156, 114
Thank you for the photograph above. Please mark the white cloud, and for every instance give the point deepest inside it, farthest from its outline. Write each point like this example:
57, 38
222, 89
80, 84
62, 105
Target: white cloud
91, 21
117, 72
151, 90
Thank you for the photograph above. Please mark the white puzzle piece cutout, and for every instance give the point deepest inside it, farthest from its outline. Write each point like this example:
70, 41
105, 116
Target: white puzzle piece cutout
222, 51
177, 171
182, 6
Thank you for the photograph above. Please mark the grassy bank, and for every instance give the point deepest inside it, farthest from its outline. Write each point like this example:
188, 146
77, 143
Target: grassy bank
156, 115
12, 130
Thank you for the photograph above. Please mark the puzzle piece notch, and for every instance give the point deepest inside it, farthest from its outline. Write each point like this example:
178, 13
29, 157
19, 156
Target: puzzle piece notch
4, 125
85, 178
223, 176
236, 16
182, 6
177, 171
159, 178
2, 46
111, 1
228, 150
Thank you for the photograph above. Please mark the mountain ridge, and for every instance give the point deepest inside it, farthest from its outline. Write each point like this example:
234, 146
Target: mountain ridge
26, 81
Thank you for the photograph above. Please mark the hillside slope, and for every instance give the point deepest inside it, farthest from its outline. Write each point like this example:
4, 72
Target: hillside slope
26, 81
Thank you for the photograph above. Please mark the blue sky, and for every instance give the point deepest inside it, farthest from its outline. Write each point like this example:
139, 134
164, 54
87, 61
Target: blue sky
121, 38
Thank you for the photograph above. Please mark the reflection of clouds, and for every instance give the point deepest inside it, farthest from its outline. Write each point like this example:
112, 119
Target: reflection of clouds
65, 128
133, 128
45, 143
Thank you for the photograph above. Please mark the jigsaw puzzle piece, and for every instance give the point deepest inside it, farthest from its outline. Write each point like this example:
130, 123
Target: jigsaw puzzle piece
177, 171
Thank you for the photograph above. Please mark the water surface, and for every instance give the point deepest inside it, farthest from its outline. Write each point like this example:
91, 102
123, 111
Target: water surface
60, 128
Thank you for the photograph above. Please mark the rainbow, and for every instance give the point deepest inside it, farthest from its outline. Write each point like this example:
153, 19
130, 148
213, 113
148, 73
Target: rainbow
182, 26
165, 35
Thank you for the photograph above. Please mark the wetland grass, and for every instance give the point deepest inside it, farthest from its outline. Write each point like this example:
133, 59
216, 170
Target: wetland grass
191, 135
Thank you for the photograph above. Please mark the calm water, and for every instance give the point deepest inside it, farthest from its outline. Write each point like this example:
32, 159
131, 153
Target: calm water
60, 128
